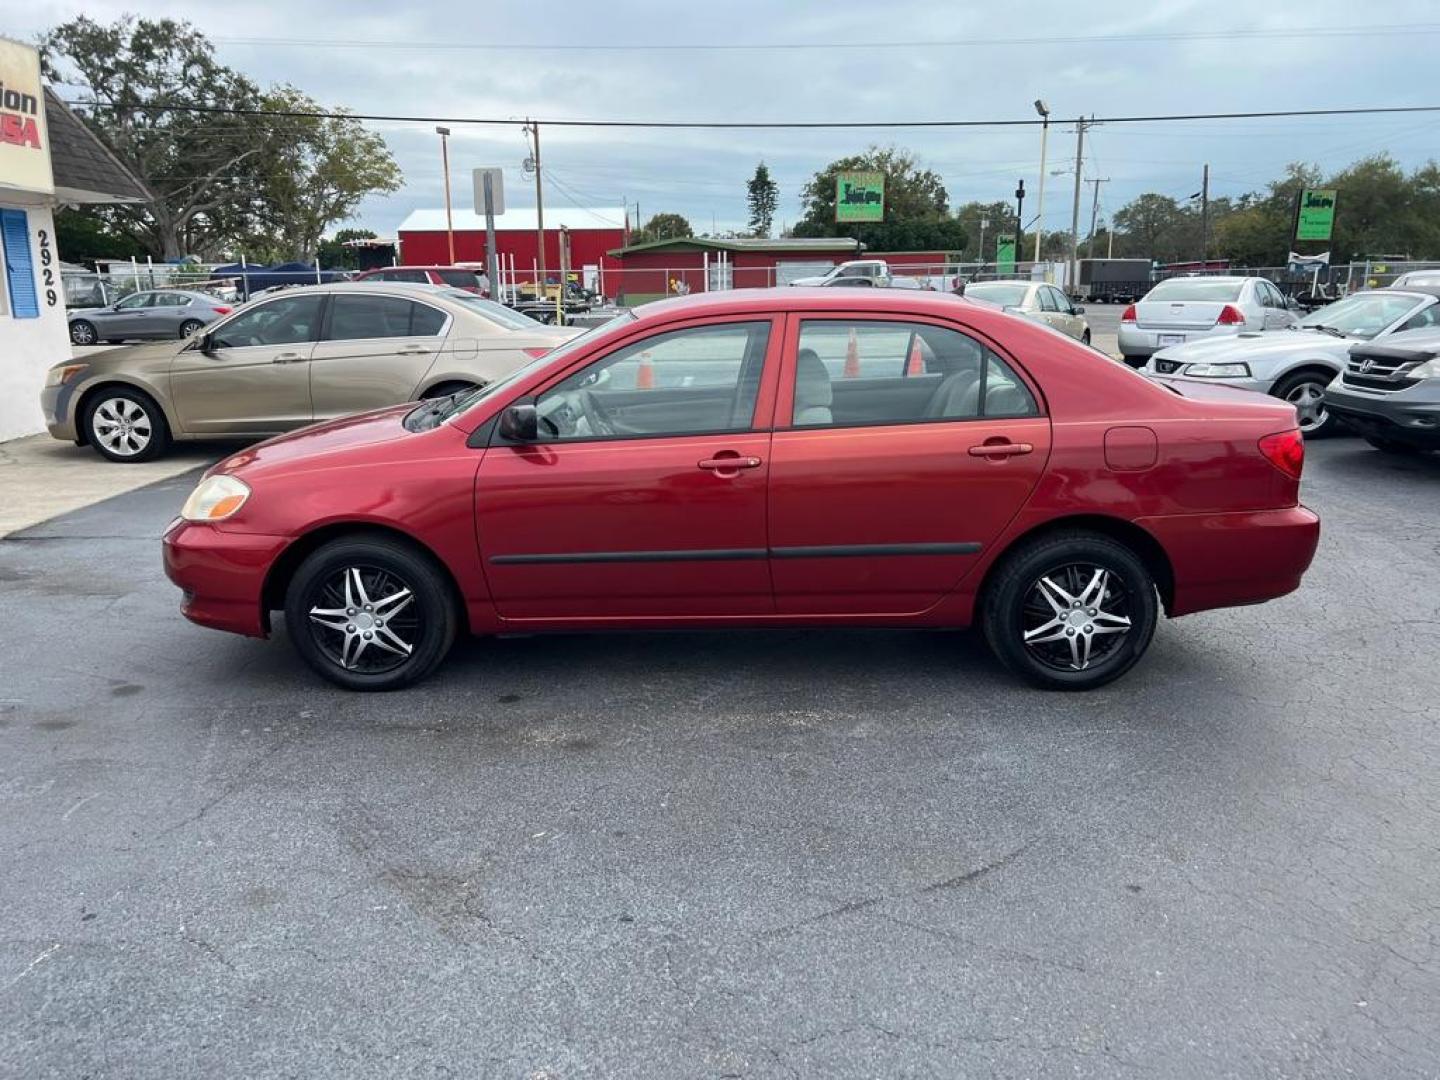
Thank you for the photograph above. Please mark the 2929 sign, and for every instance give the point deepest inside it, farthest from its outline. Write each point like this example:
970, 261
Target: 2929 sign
47, 269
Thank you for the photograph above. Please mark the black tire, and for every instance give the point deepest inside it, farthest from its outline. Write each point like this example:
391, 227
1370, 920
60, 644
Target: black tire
125, 425
427, 623
189, 326
1390, 446
445, 389
82, 332
1085, 338
1015, 598
1308, 383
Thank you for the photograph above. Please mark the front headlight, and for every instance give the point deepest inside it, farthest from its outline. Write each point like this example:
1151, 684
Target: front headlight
215, 498
1218, 371
63, 373
1430, 369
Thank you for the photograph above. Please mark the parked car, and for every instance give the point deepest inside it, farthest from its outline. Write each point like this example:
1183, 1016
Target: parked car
1035, 300
457, 277
1182, 309
1389, 392
1297, 365
1416, 277
763, 457
305, 354
156, 313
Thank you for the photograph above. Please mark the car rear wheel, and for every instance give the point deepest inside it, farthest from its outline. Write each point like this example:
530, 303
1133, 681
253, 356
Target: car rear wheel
190, 326
1306, 391
1070, 611
371, 613
1390, 446
82, 333
125, 425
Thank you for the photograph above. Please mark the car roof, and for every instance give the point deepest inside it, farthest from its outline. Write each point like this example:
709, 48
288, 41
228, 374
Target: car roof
419, 266
1420, 290
1240, 278
802, 298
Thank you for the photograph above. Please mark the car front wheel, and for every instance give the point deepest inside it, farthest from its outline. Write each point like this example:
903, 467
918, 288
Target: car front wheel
1306, 391
1070, 611
371, 613
82, 333
125, 425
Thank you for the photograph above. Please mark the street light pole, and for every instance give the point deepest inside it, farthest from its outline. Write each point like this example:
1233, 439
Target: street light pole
444, 133
1074, 271
1044, 111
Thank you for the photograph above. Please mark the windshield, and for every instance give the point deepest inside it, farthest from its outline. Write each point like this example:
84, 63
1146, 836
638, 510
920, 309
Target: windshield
1363, 315
1217, 292
498, 314
432, 414
998, 292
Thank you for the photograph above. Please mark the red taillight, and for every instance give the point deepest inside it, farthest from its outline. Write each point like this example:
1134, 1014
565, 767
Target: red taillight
223, 310
1128, 315
536, 353
1230, 315
1286, 451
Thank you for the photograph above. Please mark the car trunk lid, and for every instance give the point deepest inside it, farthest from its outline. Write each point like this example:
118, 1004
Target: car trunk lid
1177, 314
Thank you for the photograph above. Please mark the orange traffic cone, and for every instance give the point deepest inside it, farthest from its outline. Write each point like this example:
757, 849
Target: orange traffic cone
916, 363
645, 375
852, 357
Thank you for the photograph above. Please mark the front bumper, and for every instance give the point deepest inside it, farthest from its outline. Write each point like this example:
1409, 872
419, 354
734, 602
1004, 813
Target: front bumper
56, 405
1406, 416
1152, 369
1225, 560
221, 574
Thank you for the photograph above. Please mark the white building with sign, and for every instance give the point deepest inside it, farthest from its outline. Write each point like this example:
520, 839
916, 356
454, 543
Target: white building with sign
48, 158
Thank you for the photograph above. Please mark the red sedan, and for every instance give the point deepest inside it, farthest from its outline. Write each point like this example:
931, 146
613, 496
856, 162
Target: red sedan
763, 458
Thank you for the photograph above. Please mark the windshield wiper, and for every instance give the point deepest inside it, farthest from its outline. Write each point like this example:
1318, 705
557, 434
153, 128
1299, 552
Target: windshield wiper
430, 413
1325, 329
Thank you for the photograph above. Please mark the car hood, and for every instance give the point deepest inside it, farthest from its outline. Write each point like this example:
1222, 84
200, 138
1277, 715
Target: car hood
122, 357
811, 281
345, 434
1268, 344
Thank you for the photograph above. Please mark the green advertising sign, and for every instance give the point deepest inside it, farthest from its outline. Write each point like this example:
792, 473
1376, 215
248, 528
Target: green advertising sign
1005, 255
860, 196
1316, 218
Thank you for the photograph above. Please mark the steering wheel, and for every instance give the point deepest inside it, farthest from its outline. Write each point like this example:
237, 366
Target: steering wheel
601, 422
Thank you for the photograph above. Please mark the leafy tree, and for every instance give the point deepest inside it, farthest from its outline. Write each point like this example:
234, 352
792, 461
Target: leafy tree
917, 209
314, 171
763, 195
662, 227
1001, 218
143, 71
333, 253
84, 236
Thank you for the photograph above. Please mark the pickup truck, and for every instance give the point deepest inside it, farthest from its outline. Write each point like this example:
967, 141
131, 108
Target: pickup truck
861, 272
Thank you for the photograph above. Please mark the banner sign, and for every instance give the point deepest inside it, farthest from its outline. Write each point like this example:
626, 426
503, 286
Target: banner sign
860, 196
1316, 218
24, 142
1005, 255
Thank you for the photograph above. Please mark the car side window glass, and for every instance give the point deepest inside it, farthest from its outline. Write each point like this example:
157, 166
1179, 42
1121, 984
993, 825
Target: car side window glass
704, 379
853, 374
1062, 302
1043, 300
356, 318
415, 276
287, 321
138, 300
171, 300
1425, 317
425, 321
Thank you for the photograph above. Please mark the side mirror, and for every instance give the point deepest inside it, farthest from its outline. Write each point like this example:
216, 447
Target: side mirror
206, 343
1077, 310
519, 423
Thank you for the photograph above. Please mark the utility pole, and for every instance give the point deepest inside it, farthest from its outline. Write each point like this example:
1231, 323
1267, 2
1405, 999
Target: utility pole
533, 129
444, 133
1205, 214
1094, 213
984, 223
1074, 272
1044, 111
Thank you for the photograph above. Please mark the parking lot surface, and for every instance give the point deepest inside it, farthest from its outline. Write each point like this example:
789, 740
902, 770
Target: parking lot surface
760, 854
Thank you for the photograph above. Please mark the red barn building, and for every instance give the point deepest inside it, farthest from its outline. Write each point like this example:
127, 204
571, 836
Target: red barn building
593, 232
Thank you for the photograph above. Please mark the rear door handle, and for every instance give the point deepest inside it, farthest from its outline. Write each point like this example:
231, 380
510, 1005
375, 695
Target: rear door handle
727, 464
1006, 449
288, 358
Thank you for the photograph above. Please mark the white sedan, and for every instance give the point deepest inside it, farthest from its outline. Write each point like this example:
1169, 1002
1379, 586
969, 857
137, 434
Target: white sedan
1179, 310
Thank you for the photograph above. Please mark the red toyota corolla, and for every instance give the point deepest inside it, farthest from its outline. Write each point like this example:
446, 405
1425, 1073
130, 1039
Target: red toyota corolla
763, 458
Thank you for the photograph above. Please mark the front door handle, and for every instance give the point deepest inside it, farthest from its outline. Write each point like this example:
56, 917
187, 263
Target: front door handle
1001, 449
288, 358
729, 464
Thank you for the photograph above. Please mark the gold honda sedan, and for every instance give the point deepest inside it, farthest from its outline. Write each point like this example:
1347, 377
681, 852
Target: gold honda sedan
1035, 300
278, 363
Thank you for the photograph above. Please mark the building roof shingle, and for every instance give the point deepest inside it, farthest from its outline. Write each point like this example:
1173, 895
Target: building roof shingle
85, 169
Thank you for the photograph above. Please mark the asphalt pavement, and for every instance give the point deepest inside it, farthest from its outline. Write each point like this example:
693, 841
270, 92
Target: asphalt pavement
792, 854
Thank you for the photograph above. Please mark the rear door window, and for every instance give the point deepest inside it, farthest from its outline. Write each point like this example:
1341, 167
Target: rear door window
357, 318
460, 279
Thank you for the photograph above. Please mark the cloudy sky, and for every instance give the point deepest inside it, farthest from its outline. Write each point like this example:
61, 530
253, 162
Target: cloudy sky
900, 60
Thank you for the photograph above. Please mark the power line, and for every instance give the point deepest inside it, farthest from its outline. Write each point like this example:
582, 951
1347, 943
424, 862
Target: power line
1267, 114
1229, 36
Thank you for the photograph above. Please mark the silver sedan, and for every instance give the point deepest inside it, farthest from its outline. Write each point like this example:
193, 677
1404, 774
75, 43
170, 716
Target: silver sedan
1184, 309
1035, 300
150, 315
